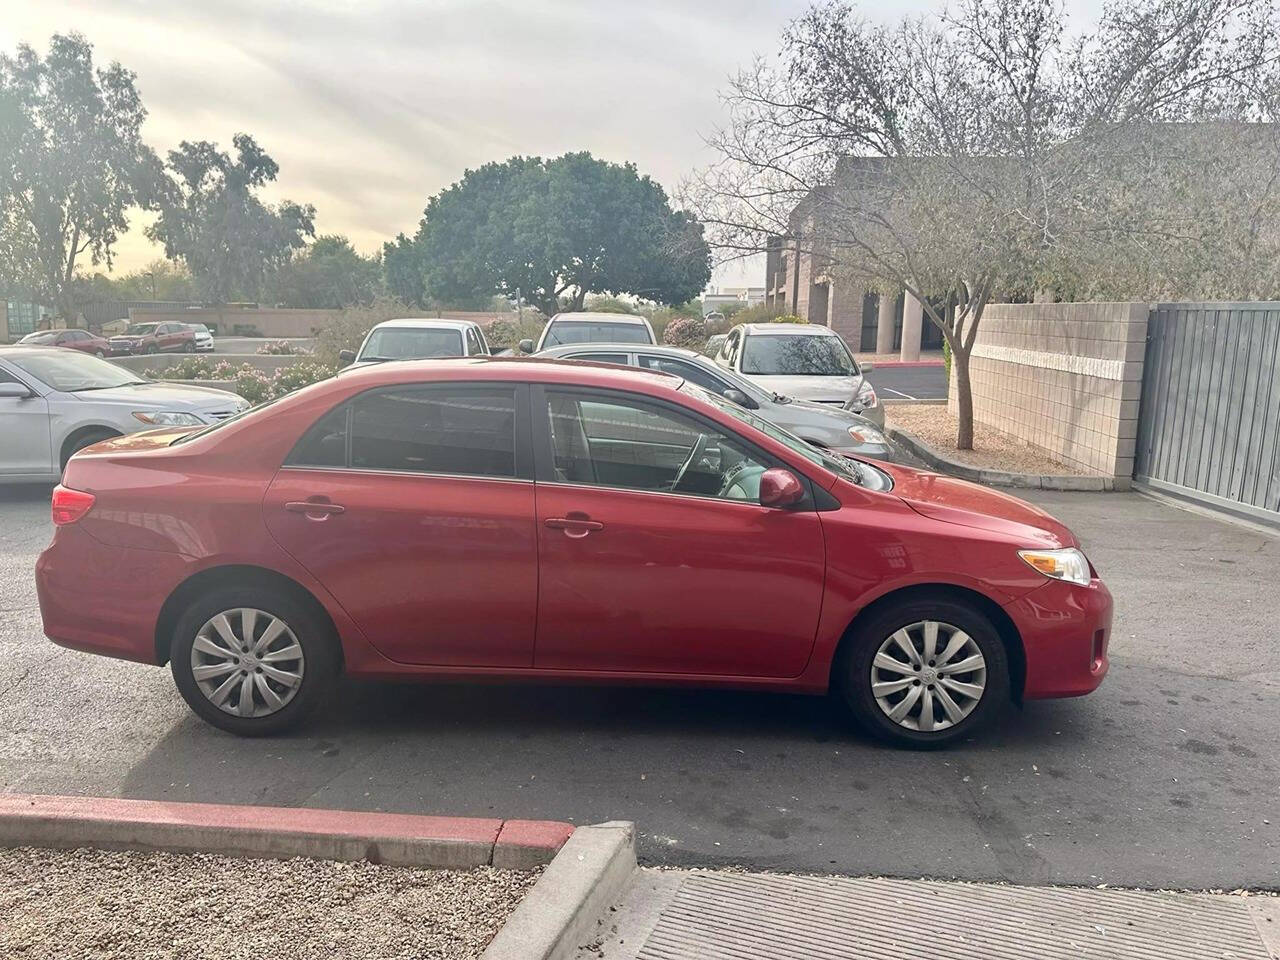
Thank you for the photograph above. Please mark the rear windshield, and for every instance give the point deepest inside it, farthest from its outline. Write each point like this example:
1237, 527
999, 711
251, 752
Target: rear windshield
582, 331
410, 343
797, 354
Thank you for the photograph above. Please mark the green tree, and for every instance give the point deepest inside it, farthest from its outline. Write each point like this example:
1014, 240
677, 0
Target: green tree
72, 163
402, 271
327, 274
211, 219
159, 280
605, 304
558, 230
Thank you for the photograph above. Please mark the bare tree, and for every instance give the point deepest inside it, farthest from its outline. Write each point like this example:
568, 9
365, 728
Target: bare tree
987, 151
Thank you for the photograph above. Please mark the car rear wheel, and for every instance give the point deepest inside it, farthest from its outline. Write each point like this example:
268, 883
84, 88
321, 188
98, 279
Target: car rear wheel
152, 348
252, 661
100, 354
925, 673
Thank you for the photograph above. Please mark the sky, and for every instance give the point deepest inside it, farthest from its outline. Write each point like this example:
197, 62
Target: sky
372, 107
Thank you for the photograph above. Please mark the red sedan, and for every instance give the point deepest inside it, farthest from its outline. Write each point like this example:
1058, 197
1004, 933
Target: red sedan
72, 339
480, 518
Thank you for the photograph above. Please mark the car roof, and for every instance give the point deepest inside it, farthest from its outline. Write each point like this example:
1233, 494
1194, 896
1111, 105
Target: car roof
777, 329
425, 323
528, 369
584, 316
20, 351
660, 349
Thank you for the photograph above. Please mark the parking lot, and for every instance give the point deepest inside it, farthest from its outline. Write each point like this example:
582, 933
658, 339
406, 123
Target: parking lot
1167, 776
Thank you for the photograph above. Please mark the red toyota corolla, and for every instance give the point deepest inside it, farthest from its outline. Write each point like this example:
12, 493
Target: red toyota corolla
560, 521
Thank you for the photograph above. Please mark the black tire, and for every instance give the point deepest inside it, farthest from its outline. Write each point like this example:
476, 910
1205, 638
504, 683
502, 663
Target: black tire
854, 672
189, 347
85, 440
152, 348
313, 634
100, 354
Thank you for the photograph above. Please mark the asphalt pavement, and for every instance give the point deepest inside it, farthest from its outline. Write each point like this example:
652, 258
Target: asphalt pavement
910, 383
1168, 776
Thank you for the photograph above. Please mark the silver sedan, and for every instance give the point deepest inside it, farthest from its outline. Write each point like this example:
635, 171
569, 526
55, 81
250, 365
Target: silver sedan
54, 402
822, 425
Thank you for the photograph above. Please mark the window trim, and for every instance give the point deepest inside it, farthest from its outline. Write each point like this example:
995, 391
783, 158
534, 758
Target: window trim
524, 467
544, 451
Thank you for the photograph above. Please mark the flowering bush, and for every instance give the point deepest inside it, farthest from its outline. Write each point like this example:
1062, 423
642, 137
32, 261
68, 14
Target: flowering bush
687, 332
251, 383
788, 318
280, 348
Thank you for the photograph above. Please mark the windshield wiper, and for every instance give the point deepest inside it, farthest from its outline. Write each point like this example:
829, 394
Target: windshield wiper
108, 386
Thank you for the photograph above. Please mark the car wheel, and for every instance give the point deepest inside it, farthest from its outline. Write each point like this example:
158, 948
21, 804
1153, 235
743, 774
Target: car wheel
925, 673
100, 354
85, 440
152, 348
188, 348
252, 661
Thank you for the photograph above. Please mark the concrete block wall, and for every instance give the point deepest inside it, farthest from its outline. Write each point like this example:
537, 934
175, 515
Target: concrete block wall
1065, 378
267, 321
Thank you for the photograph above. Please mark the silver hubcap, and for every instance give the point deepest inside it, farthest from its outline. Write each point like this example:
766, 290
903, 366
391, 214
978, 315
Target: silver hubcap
247, 662
928, 676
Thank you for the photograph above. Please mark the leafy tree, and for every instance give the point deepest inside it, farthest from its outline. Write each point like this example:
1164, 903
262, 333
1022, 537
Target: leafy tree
558, 230
211, 219
327, 274
603, 304
72, 163
987, 151
158, 280
403, 272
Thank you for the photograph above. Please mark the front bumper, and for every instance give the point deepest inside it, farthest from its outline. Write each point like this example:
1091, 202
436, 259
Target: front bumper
204, 346
119, 349
1066, 630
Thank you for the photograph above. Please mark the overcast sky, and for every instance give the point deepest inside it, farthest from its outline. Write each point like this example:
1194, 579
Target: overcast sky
372, 107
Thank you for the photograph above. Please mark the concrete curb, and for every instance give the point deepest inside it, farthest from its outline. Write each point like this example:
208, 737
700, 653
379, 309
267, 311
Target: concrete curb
913, 401
998, 478
885, 364
584, 880
403, 840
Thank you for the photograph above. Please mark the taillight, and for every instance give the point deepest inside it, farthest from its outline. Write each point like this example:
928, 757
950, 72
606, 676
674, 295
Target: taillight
70, 505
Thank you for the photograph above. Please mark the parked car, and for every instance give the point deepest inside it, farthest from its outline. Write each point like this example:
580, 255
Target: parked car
823, 426
165, 336
54, 402
203, 337
72, 339
583, 327
419, 339
802, 360
432, 518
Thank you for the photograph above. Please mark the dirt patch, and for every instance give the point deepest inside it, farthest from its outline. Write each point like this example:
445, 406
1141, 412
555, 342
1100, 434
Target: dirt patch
933, 425
92, 904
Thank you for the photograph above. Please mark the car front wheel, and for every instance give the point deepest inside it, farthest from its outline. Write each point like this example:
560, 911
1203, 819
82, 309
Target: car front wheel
252, 661
926, 673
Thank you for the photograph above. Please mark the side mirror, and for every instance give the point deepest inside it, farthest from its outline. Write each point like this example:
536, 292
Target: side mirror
867, 366
346, 357
13, 391
780, 488
526, 346
741, 399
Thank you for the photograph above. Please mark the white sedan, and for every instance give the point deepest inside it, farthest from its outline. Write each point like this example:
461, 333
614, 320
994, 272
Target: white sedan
54, 402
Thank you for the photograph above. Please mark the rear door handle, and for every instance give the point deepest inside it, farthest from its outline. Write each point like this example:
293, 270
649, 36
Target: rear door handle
315, 509
573, 526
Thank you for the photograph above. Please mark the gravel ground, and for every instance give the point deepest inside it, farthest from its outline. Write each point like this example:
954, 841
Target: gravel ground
90, 904
993, 450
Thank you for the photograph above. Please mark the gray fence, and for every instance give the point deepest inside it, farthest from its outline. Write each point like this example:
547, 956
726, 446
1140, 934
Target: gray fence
1209, 422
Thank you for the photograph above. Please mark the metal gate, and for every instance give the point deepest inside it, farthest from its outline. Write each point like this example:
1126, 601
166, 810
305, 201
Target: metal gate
1209, 419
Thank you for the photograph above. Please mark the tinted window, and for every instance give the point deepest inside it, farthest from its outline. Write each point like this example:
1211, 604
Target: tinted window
800, 354
473, 342
683, 368
619, 442
325, 444
618, 358
430, 430
409, 343
585, 331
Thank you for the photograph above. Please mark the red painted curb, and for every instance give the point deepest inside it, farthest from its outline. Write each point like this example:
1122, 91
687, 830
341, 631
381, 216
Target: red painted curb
402, 839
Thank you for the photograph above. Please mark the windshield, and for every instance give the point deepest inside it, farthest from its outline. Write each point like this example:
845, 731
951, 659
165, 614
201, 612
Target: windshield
198, 327
71, 372
141, 329
44, 336
581, 331
855, 471
411, 343
797, 354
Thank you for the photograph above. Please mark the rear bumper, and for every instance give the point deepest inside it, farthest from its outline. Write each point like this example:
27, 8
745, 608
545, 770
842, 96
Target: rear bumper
1066, 629
104, 599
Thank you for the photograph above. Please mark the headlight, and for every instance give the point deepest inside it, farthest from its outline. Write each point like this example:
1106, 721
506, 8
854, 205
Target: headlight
168, 418
866, 395
867, 435
1067, 564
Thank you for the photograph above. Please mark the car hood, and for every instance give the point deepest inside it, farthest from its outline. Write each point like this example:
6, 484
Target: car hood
950, 500
166, 396
819, 389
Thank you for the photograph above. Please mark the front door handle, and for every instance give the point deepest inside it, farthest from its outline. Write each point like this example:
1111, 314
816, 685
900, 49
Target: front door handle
315, 509
575, 527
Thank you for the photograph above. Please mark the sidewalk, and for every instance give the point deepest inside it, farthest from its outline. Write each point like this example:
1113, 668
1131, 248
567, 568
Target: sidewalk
928, 358
675, 914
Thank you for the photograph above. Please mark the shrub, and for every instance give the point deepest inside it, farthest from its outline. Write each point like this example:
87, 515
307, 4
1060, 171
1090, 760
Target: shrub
280, 348
348, 328
788, 318
509, 331
685, 332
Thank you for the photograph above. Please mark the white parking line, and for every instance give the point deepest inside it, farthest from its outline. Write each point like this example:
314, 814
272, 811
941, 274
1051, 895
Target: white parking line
904, 396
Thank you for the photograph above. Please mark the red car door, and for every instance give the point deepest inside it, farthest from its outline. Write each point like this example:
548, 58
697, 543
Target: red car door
653, 557
414, 506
